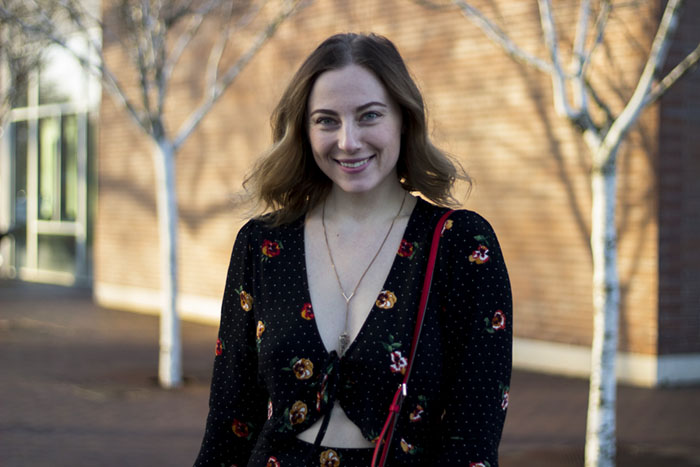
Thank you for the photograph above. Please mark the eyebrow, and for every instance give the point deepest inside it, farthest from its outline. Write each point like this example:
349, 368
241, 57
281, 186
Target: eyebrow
359, 109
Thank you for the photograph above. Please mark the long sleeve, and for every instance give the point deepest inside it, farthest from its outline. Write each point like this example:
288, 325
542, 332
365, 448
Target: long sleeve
237, 402
477, 327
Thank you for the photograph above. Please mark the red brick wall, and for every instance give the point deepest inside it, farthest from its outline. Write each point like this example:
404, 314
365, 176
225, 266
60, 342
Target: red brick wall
496, 116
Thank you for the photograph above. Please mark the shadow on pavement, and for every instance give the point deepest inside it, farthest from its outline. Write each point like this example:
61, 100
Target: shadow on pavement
78, 388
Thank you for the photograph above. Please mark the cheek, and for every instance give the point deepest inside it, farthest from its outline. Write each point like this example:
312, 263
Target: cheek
319, 143
391, 141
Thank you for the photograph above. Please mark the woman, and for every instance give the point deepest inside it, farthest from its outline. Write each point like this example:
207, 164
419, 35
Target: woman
321, 294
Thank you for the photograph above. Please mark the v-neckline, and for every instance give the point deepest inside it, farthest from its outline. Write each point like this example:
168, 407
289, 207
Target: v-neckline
307, 288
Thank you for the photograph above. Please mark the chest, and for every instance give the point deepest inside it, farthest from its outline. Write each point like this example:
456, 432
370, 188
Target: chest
346, 275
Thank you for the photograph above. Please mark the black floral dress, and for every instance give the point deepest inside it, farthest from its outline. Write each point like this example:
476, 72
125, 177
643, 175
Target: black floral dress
273, 377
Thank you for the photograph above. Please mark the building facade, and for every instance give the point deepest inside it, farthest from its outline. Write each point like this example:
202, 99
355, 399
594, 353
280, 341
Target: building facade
530, 166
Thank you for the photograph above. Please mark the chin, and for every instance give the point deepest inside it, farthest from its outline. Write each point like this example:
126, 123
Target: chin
357, 188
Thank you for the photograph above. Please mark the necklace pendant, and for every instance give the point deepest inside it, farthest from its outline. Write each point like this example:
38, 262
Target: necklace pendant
344, 340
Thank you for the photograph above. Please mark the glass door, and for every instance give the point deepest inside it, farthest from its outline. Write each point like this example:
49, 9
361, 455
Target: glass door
46, 173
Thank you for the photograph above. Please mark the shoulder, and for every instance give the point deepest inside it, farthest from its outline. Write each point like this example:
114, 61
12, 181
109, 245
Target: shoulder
461, 225
466, 222
460, 222
258, 235
248, 232
469, 236
262, 225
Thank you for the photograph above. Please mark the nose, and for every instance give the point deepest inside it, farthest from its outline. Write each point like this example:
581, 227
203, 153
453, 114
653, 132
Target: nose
349, 139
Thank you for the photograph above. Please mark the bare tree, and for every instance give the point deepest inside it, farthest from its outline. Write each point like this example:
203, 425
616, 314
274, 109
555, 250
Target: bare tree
155, 34
20, 55
576, 99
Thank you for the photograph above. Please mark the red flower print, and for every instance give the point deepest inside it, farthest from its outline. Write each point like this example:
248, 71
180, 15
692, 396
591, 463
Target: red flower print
386, 299
306, 312
479, 464
219, 347
240, 429
480, 255
246, 299
297, 414
416, 415
329, 458
270, 249
407, 250
273, 462
497, 323
398, 362
447, 226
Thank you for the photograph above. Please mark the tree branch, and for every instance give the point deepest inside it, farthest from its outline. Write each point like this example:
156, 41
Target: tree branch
501, 38
680, 70
609, 117
181, 44
196, 117
579, 56
600, 24
655, 61
217, 51
561, 102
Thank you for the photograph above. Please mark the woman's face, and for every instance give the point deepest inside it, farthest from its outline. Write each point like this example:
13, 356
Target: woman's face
354, 128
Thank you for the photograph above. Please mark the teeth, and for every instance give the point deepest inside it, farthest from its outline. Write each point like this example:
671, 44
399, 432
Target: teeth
353, 165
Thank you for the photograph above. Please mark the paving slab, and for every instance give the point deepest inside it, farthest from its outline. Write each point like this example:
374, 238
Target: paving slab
78, 388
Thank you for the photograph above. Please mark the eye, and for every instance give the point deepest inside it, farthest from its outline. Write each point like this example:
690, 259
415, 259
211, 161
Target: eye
324, 121
370, 116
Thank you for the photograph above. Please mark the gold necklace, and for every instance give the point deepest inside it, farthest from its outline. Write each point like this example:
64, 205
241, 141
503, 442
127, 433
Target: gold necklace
344, 338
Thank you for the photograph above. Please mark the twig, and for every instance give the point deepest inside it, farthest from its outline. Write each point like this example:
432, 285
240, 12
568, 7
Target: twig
655, 61
501, 38
680, 70
561, 103
196, 117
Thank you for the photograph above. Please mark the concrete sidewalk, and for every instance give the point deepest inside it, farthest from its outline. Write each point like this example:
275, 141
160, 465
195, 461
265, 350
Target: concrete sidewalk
78, 388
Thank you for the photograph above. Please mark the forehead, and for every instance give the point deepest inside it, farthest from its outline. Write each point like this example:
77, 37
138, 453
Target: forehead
350, 86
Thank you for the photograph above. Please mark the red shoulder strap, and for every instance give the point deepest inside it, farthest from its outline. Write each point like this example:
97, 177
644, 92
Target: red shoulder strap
384, 440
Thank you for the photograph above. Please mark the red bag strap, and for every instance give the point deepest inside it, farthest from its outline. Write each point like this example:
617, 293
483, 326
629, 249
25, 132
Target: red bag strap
381, 448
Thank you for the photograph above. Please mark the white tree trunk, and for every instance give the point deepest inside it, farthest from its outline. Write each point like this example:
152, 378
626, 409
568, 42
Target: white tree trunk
600, 429
170, 356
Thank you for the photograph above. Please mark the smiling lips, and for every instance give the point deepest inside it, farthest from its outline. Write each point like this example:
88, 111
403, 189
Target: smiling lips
354, 165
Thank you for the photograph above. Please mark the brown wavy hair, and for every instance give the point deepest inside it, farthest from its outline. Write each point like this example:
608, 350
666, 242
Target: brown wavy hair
287, 181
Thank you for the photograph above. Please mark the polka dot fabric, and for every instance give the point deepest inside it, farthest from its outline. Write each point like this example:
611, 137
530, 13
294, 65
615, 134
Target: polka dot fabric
273, 377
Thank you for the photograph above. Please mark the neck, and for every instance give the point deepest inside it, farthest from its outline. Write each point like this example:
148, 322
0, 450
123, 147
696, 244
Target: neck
364, 207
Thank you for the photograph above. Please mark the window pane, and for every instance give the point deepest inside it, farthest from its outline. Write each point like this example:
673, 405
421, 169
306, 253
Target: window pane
57, 253
19, 161
61, 78
49, 145
19, 91
69, 168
